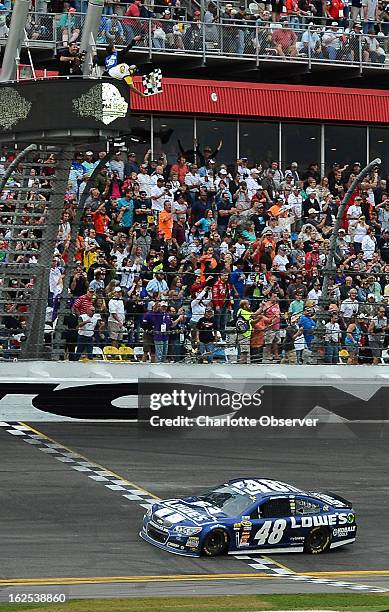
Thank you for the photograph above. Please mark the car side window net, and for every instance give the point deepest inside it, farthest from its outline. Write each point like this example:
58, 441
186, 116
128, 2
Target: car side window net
275, 508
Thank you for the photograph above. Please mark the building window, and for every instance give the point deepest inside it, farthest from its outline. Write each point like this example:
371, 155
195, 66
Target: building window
211, 131
168, 131
345, 144
258, 142
139, 140
301, 144
378, 147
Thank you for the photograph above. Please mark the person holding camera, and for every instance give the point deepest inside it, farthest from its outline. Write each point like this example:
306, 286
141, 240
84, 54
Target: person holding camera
71, 60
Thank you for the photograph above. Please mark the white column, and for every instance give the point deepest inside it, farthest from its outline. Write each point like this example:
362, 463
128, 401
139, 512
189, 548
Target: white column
152, 136
322, 150
237, 140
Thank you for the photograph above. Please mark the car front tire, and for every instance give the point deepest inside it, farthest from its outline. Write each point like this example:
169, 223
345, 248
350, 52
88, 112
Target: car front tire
215, 543
317, 541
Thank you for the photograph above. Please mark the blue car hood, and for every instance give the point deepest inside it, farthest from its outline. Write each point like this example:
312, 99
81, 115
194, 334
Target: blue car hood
187, 511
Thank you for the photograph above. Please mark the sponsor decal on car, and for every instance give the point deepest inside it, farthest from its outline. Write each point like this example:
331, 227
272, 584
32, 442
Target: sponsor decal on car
193, 542
341, 532
317, 521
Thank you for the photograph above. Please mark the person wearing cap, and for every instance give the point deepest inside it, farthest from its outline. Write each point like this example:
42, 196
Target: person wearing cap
161, 324
116, 317
192, 40
284, 40
308, 324
292, 333
70, 60
192, 182
331, 39
157, 287
131, 165
206, 335
88, 164
159, 195
207, 153
281, 260
86, 328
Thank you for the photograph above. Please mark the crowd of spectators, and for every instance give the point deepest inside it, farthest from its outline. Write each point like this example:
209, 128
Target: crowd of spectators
187, 260
349, 31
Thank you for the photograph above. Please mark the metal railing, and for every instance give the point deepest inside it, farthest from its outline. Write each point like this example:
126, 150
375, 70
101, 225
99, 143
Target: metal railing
264, 41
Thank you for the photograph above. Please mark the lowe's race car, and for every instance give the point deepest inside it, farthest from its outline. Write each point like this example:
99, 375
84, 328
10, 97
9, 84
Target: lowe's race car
255, 515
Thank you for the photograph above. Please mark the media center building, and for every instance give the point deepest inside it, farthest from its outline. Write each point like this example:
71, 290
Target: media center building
264, 122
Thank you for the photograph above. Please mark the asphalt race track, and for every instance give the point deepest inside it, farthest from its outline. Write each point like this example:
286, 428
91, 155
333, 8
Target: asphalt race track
58, 523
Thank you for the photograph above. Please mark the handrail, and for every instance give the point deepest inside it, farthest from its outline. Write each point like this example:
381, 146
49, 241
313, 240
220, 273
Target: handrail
251, 40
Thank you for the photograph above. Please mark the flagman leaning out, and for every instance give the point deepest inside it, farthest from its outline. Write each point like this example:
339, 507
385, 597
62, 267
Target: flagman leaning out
117, 68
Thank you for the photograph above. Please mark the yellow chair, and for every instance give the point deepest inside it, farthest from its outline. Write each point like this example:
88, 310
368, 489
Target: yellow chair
126, 353
112, 353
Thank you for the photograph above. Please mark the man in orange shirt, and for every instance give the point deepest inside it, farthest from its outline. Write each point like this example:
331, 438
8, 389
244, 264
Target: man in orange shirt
165, 221
277, 209
101, 222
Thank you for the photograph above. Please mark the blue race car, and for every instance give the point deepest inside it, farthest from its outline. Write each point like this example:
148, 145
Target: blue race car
253, 514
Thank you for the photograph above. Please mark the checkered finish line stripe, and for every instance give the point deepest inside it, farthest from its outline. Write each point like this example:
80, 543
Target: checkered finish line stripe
271, 568
79, 464
134, 494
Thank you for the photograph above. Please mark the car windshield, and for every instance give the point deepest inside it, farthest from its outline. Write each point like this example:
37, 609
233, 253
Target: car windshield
230, 501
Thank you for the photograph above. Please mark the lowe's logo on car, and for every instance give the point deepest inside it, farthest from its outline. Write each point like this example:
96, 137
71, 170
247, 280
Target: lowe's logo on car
317, 521
264, 486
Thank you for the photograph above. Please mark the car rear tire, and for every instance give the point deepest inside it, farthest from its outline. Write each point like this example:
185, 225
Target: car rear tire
317, 541
215, 543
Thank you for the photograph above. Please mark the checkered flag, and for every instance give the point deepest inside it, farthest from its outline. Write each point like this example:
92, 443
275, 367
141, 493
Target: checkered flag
152, 82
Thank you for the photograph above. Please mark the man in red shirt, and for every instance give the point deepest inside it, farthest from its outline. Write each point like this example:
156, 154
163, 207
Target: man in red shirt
221, 299
84, 302
180, 168
284, 40
335, 10
133, 25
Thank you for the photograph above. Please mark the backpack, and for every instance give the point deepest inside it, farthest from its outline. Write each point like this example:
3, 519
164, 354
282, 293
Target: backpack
242, 325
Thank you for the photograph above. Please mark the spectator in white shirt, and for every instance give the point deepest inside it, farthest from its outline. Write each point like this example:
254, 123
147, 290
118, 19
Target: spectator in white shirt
193, 181
315, 293
252, 182
144, 180
158, 174
86, 329
369, 244
350, 306
116, 317
280, 261
158, 195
